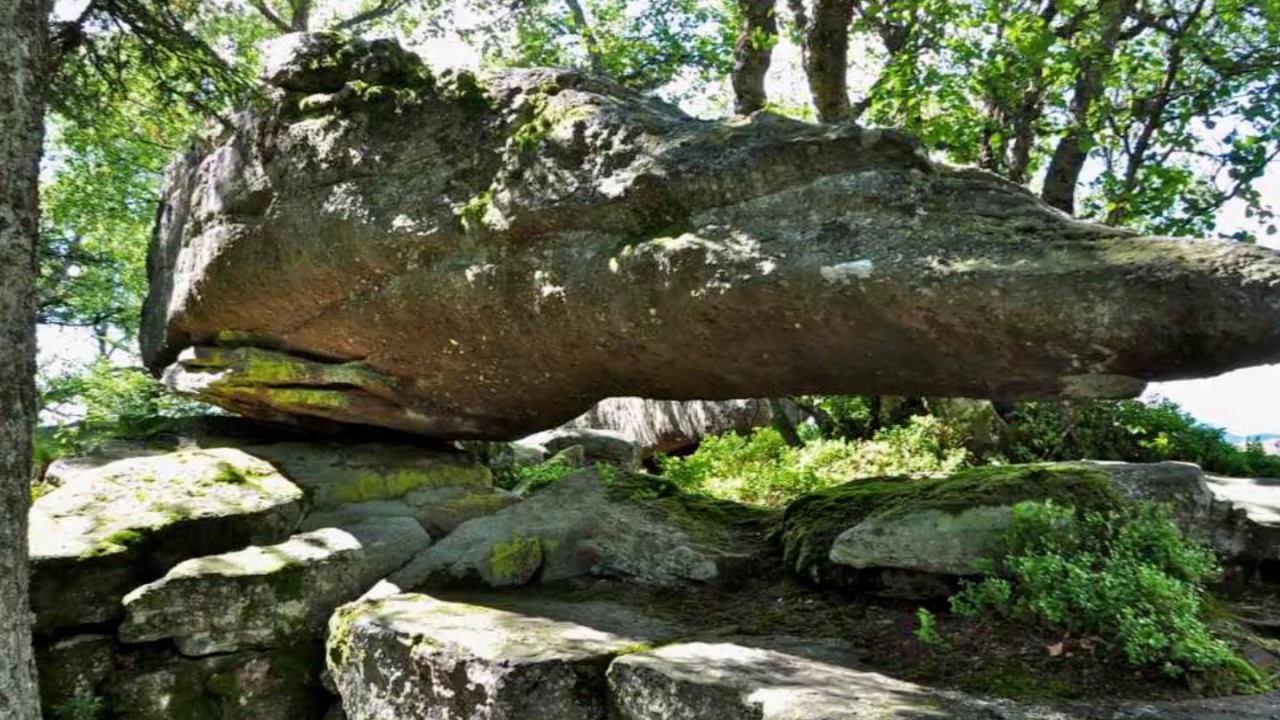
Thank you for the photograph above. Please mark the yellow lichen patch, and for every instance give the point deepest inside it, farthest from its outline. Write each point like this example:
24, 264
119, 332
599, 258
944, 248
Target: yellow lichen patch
514, 561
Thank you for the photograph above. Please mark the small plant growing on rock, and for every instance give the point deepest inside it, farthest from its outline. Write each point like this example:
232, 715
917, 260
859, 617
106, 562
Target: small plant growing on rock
79, 708
927, 629
1128, 576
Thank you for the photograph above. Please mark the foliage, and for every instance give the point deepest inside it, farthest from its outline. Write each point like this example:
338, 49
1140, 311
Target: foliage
527, 479
110, 402
1127, 430
643, 44
1169, 102
927, 629
1128, 577
762, 469
79, 709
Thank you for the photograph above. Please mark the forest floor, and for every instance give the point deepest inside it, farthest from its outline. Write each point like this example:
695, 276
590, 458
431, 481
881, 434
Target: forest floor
991, 654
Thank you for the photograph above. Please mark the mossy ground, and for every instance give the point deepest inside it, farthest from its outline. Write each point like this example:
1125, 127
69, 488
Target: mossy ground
812, 522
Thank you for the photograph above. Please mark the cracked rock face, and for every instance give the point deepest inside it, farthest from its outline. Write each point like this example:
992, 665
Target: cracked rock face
484, 258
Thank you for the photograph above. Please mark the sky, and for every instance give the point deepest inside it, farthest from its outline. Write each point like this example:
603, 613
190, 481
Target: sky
1244, 402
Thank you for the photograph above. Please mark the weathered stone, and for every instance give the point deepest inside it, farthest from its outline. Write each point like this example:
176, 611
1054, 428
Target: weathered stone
598, 446
277, 685
1259, 500
268, 596
413, 656
668, 426
581, 525
108, 529
386, 247
335, 474
73, 670
947, 542
438, 510
952, 525
805, 680
814, 525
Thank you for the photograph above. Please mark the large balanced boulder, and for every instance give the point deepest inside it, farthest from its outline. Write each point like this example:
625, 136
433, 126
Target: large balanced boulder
486, 258
110, 529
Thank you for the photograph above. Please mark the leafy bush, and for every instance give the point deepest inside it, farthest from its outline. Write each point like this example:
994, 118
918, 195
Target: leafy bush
528, 479
762, 469
110, 402
1128, 577
1127, 430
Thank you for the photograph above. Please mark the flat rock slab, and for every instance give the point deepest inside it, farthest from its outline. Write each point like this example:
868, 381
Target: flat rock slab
112, 528
485, 258
414, 656
1259, 500
802, 679
264, 597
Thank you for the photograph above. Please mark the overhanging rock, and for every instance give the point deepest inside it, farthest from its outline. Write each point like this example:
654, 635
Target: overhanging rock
487, 258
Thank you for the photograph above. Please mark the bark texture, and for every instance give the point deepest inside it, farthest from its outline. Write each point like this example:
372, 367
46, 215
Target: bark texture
824, 27
23, 44
1073, 149
753, 53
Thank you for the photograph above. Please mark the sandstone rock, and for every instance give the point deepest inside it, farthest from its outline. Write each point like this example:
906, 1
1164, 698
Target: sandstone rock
277, 685
598, 446
667, 426
952, 525
927, 525
108, 529
1259, 500
72, 671
264, 597
385, 246
804, 681
414, 656
335, 474
637, 528
438, 510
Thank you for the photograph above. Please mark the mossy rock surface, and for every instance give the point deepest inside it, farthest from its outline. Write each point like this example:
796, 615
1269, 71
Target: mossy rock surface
282, 684
336, 474
812, 524
113, 527
268, 596
596, 522
417, 656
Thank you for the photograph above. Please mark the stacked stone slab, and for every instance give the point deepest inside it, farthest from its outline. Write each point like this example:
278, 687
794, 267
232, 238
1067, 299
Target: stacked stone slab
197, 583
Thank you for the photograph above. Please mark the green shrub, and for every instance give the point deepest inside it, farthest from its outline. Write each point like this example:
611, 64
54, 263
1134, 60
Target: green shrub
79, 709
1128, 577
762, 469
1127, 430
528, 479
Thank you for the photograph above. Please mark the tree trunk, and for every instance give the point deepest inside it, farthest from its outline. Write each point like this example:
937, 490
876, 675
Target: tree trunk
1073, 149
825, 45
23, 60
752, 54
